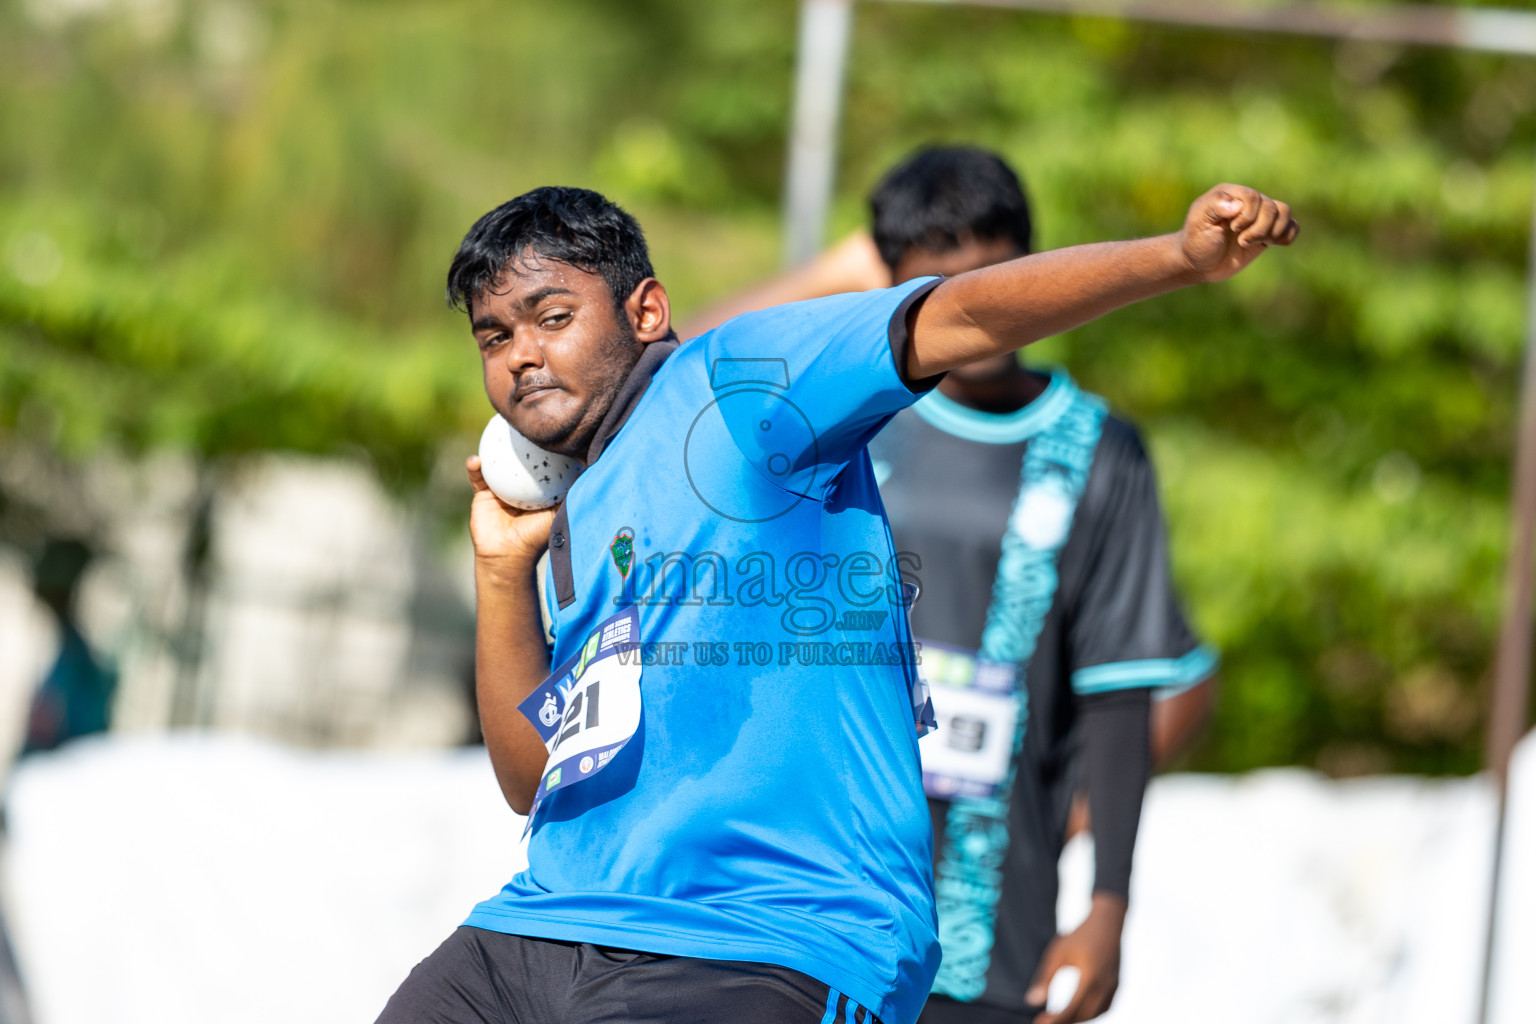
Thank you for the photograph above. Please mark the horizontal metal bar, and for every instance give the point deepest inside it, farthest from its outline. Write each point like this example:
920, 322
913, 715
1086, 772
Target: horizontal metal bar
1491, 29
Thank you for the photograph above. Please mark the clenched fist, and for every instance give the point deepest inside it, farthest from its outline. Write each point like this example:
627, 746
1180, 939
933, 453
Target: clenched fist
1229, 226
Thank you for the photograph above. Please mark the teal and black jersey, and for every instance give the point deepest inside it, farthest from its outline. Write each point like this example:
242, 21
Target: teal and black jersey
729, 619
1041, 552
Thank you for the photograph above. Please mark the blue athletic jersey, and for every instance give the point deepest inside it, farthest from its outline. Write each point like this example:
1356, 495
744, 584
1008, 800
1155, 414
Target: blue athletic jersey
769, 807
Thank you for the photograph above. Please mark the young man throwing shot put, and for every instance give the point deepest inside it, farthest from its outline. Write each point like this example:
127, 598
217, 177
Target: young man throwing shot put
727, 812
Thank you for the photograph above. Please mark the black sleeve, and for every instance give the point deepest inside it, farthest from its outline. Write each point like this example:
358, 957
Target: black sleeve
899, 333
1127, 628
1117, 756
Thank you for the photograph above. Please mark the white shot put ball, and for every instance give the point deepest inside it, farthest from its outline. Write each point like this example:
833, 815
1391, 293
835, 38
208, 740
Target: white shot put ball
519, 472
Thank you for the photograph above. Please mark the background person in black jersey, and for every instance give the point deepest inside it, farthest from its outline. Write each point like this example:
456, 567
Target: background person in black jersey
1112, 678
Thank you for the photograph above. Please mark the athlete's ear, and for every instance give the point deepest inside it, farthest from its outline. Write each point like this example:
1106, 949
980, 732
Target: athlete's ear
649, 311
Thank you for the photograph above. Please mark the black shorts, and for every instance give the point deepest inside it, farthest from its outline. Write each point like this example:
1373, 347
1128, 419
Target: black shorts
484, 977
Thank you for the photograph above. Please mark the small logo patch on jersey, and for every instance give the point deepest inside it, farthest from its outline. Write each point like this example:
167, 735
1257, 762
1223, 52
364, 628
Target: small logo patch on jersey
623, 550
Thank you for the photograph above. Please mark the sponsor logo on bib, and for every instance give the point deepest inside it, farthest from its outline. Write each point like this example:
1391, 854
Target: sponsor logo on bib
549, 714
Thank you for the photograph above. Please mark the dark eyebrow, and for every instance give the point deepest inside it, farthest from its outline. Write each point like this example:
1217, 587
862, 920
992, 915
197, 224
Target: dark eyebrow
532, 299
487, 321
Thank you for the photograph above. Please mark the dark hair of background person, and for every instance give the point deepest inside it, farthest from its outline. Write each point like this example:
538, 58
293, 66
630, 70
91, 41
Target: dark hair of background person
572, 225
945, 196
57, 571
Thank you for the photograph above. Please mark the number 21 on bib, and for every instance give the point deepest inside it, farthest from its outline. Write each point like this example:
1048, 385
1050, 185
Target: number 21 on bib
589, 707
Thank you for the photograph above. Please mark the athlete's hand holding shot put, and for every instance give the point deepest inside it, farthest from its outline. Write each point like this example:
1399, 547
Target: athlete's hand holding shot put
553, 353
716, 836
510, 658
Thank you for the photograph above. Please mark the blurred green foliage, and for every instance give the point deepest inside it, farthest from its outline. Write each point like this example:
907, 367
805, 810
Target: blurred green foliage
223, 228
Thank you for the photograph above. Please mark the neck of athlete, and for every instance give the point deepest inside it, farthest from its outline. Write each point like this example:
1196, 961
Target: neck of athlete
998, 385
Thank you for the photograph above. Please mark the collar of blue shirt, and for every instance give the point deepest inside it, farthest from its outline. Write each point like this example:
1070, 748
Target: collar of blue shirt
629, 396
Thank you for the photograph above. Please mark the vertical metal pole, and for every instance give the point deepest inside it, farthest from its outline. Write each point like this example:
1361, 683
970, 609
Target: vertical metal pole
1510, 704
825, 26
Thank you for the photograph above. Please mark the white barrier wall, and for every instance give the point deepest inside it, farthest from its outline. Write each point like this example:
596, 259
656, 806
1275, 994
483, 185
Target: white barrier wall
1513, 996
1281, 897
204, 880
211, 880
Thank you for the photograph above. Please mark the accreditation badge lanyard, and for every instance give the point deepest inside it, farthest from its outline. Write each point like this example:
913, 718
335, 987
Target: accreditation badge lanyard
589, 707
969, 878
975, 711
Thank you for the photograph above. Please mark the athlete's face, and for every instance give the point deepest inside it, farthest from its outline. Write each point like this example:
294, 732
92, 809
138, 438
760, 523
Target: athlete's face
555, 349
972, 254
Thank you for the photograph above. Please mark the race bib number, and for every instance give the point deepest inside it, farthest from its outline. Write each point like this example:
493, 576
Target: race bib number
589, 707
977, 711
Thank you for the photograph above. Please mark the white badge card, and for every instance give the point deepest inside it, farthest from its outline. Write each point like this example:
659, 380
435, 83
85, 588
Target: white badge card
974, 704
588, 708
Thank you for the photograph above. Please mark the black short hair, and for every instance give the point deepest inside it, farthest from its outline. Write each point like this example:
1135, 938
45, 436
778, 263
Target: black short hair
943, 196
571, 225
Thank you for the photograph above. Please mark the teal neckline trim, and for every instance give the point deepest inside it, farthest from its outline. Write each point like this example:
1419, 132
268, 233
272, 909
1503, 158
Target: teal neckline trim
1154, 672
969, 424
